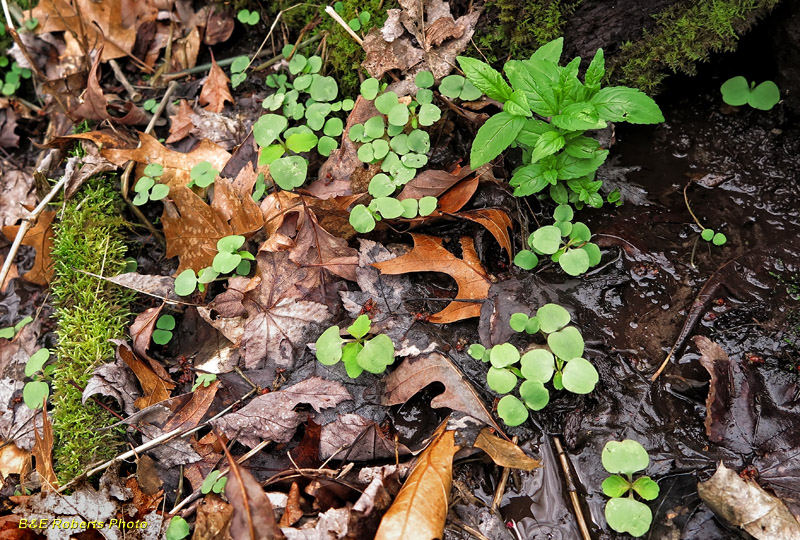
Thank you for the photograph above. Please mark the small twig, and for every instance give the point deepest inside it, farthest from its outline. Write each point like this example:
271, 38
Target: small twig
335, 16
7, 13
573, 491
264, 42
276, 59
689, 208
123, 80
501, 485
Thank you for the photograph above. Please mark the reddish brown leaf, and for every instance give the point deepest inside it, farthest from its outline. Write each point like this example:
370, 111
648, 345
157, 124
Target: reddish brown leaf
43, 452
429, 255
293, 512
253, 518
459, 195
432, 183
154, 387
13, 273
420, 509
195, 409
504, 452
213, 519
215, 90
142, 329
219, 27
181, 123
94, 102
496, 222
41, 238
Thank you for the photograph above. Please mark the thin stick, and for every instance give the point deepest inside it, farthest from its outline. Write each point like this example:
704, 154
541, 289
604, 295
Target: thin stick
573, 491
335, 16
26, 223
501, 486
260, 47
275, 60
123, 80
9, 22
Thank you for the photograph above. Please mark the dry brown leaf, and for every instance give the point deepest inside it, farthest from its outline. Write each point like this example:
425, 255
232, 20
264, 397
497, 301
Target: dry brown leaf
414, 374
177, 165
215, 90
13, 460
253, 518
432, 183
219, 26
142, 328
292, 513
94, 102
429, 255
192, 413
43, 452
41, 238
420, 509
155, 388
8, 123
13, 273
180, 123
496, 222
17, 190
185, 50
193, 228
503, 452
456, 197
213, 520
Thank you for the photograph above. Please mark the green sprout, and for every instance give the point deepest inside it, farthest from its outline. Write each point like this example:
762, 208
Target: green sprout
178, 529
238, 67
36, 391
213, 482
560, 361
204, 380
358, 354
251, 18
13, 77
229, 258
148, 187
623, 512
709, 235
150, 105
164, 327
736, 92
10, 331
202, 175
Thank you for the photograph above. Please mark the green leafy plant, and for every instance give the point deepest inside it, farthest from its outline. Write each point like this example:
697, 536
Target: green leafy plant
36, 391
559, 361
150, 105
164, 327
737, 91
10, 331
213, 483
567, 243
204, 379
709, 235
178, 529
356, 23
148, 187
238, 67
202, 175
31, 24
229, 258
12, 80
623, 512
358, 354
251, 18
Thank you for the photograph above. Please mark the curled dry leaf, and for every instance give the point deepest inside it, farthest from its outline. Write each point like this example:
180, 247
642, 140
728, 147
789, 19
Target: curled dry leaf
352, 437
503, 452
213, 519
420, 509
142, 328
496, 222
215, 90
39, 237
114, 380
95, 105
432, 183
43, 452
155, 387
181, 124
429, 255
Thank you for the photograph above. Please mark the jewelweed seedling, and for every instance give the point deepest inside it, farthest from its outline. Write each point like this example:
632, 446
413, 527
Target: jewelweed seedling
251, 18
148, 187
356, 23
358, 354
560, 361
736, 92
36, 391
13, 78
229, 258
31, 24
238, 67
178, 529
202, 175
623, 512
709, 235
164, 327
567, 243
10, 331
150, 105
213, 482
203, 379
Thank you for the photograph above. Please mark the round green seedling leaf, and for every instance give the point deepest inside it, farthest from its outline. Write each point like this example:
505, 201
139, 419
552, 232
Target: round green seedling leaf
563, 212
326, 145
354, 24
289, 172
501, 381
427, 205
154, 169
470, 92
374, 127
273, 102
329, 346
333, 127
518, 321
297, 64
564, 226
386, 102
574, 261
161, 337
380, 147
323, 88
533, 325
735, 91
552, 317
207, 275
369, 88
419, 141
646, 488
159, 192
144, 184
626, 457
526, 259
230, 244
360, 327
707, 234
389, 207
239, 64
366, 153
243, 268
348, 104
411, 208
398, 115
268, 127
429, 114
185, 283
579, 376
615, 486
414, 161
178, 529
719, 239
764, 96
476, 351
546, 239
225, 263
630, 516
451, 86
566, 343
36, 361
166, 322
270, 154
593, 252
504, 355
361, 219
534, 394
314, 64
399, 144
580, 232
512, 410
350, 359
209, 481
381, 186
377, 353
301, 142
34, 393
424, 96
302, 82
538, 365
424, 79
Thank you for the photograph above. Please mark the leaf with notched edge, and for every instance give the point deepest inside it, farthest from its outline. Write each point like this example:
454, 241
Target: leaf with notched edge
429, 255
180, 123
215, 90
41, 238
272, 416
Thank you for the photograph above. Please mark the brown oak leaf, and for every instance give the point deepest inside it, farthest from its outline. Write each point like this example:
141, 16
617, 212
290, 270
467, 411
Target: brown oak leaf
215, 90
41, 238
181, 123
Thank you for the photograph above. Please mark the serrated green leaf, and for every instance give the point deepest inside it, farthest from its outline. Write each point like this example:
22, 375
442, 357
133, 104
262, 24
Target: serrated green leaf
494, 137
623, 104
485, 78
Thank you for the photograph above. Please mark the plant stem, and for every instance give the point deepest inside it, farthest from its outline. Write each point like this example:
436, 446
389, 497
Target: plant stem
689, 208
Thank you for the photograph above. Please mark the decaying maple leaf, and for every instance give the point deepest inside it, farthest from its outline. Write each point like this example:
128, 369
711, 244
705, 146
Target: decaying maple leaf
428, 24
420, 509
429, 255
180, 123
215, 90
41, 238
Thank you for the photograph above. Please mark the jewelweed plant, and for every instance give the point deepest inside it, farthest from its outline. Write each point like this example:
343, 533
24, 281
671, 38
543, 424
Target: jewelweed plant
148, 187
559, 361
12, 79
356, 23
547, 111
178, 529
358, 354
9, 332
229, 258
250, 18
737, 91
203, 379
623, 512
213, 482
150, 105
202, 175
164, 327
36, 391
